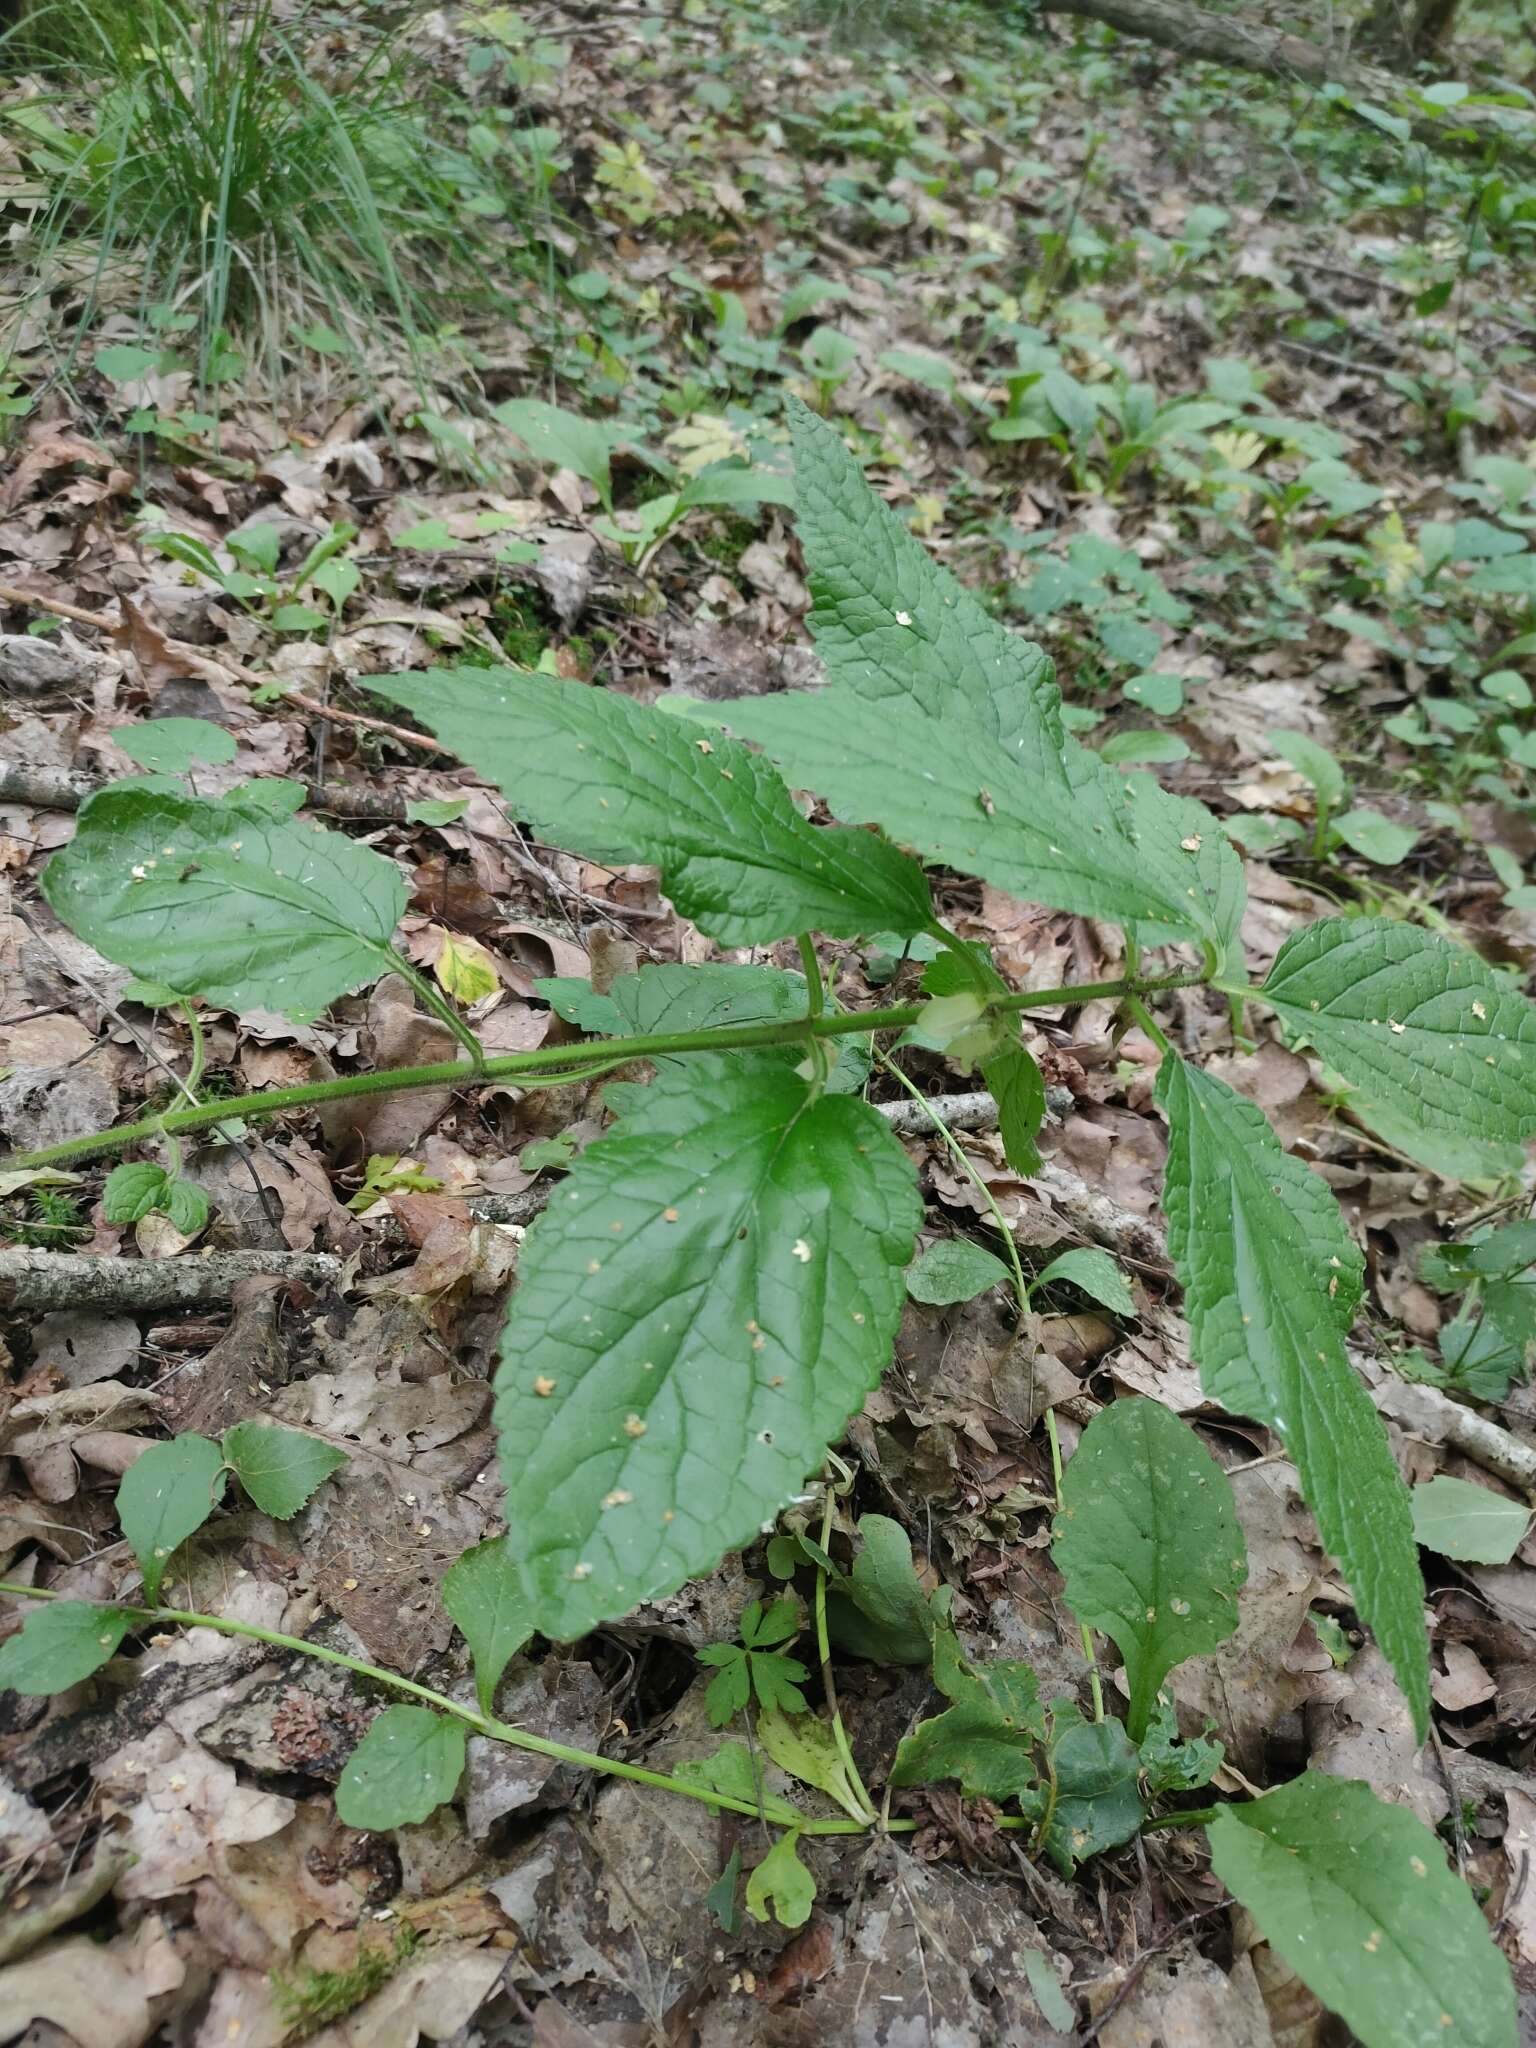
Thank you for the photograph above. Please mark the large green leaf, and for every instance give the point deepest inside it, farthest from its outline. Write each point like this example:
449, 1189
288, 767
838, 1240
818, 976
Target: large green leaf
610, 779
1439, 1048
407, 1764
60, 1644
1271, 1278
228, 900
164, 1497
1355, 1895
946, 728
1149, 1544
713, 1293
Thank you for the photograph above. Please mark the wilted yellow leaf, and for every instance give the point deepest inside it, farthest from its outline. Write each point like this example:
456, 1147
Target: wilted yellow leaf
465, 970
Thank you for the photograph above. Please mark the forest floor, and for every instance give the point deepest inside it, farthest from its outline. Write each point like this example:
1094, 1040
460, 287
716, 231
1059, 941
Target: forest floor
912, 234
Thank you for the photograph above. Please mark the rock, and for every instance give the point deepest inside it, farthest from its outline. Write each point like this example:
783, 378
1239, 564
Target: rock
31, 666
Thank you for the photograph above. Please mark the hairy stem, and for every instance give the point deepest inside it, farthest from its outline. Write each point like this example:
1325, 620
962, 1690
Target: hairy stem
559, 1062
481, 1724
828, 1685
1095, 1683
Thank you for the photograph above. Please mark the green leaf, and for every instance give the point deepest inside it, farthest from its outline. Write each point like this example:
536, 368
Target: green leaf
1314, 764
133, 1190
720, 1899
713, 1292
608, 778
165, 1496
483, 1594
187, 1206
170, 746
733, 1770
59, 1645
579, 1003
1167, 1762
1017, 1085
1149, 1545
715, 994
407, 1764
1375, 837
279, 1468
805, 1746
946, 729
1093, 1273
986, 1738
433, 810
953, 1270
1271, 1280
124, 362
1056, 2008
1143, 746
1433, 1040
566, 440
1467, 1522
782, 1884
881, 1611
227, 900
1097, 1802
1355, 1895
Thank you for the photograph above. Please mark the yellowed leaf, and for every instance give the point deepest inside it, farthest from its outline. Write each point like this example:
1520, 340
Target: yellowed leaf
465, 970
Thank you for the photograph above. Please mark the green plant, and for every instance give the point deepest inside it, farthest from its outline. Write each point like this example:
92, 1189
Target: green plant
1148, 1543
255, 581
255, 205
1367, 832
733, 1250
1486, 1345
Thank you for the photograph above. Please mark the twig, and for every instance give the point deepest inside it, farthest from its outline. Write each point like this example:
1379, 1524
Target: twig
230, 670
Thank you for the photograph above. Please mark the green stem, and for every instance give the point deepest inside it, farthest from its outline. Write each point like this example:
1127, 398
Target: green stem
482, 1724
441, 1008
559, 1062
199, 1051
828, 1686
1095, 1684
958, 1154
815, 1006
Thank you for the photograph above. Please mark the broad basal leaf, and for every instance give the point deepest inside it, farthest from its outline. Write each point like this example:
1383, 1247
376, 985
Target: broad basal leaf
946, 728
986, 1739
1437, 1046
1271, 1278
59, 1645
1149, 1544
608, 778
1356, 1896
164, 1497
230, 900
279, 1468
407, 1764
712, 1293
483, 1593
954, 1270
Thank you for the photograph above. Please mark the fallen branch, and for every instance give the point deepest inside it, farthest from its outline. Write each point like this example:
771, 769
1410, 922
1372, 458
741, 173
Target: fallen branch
1274, 53
1427, 1413
47, 1280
